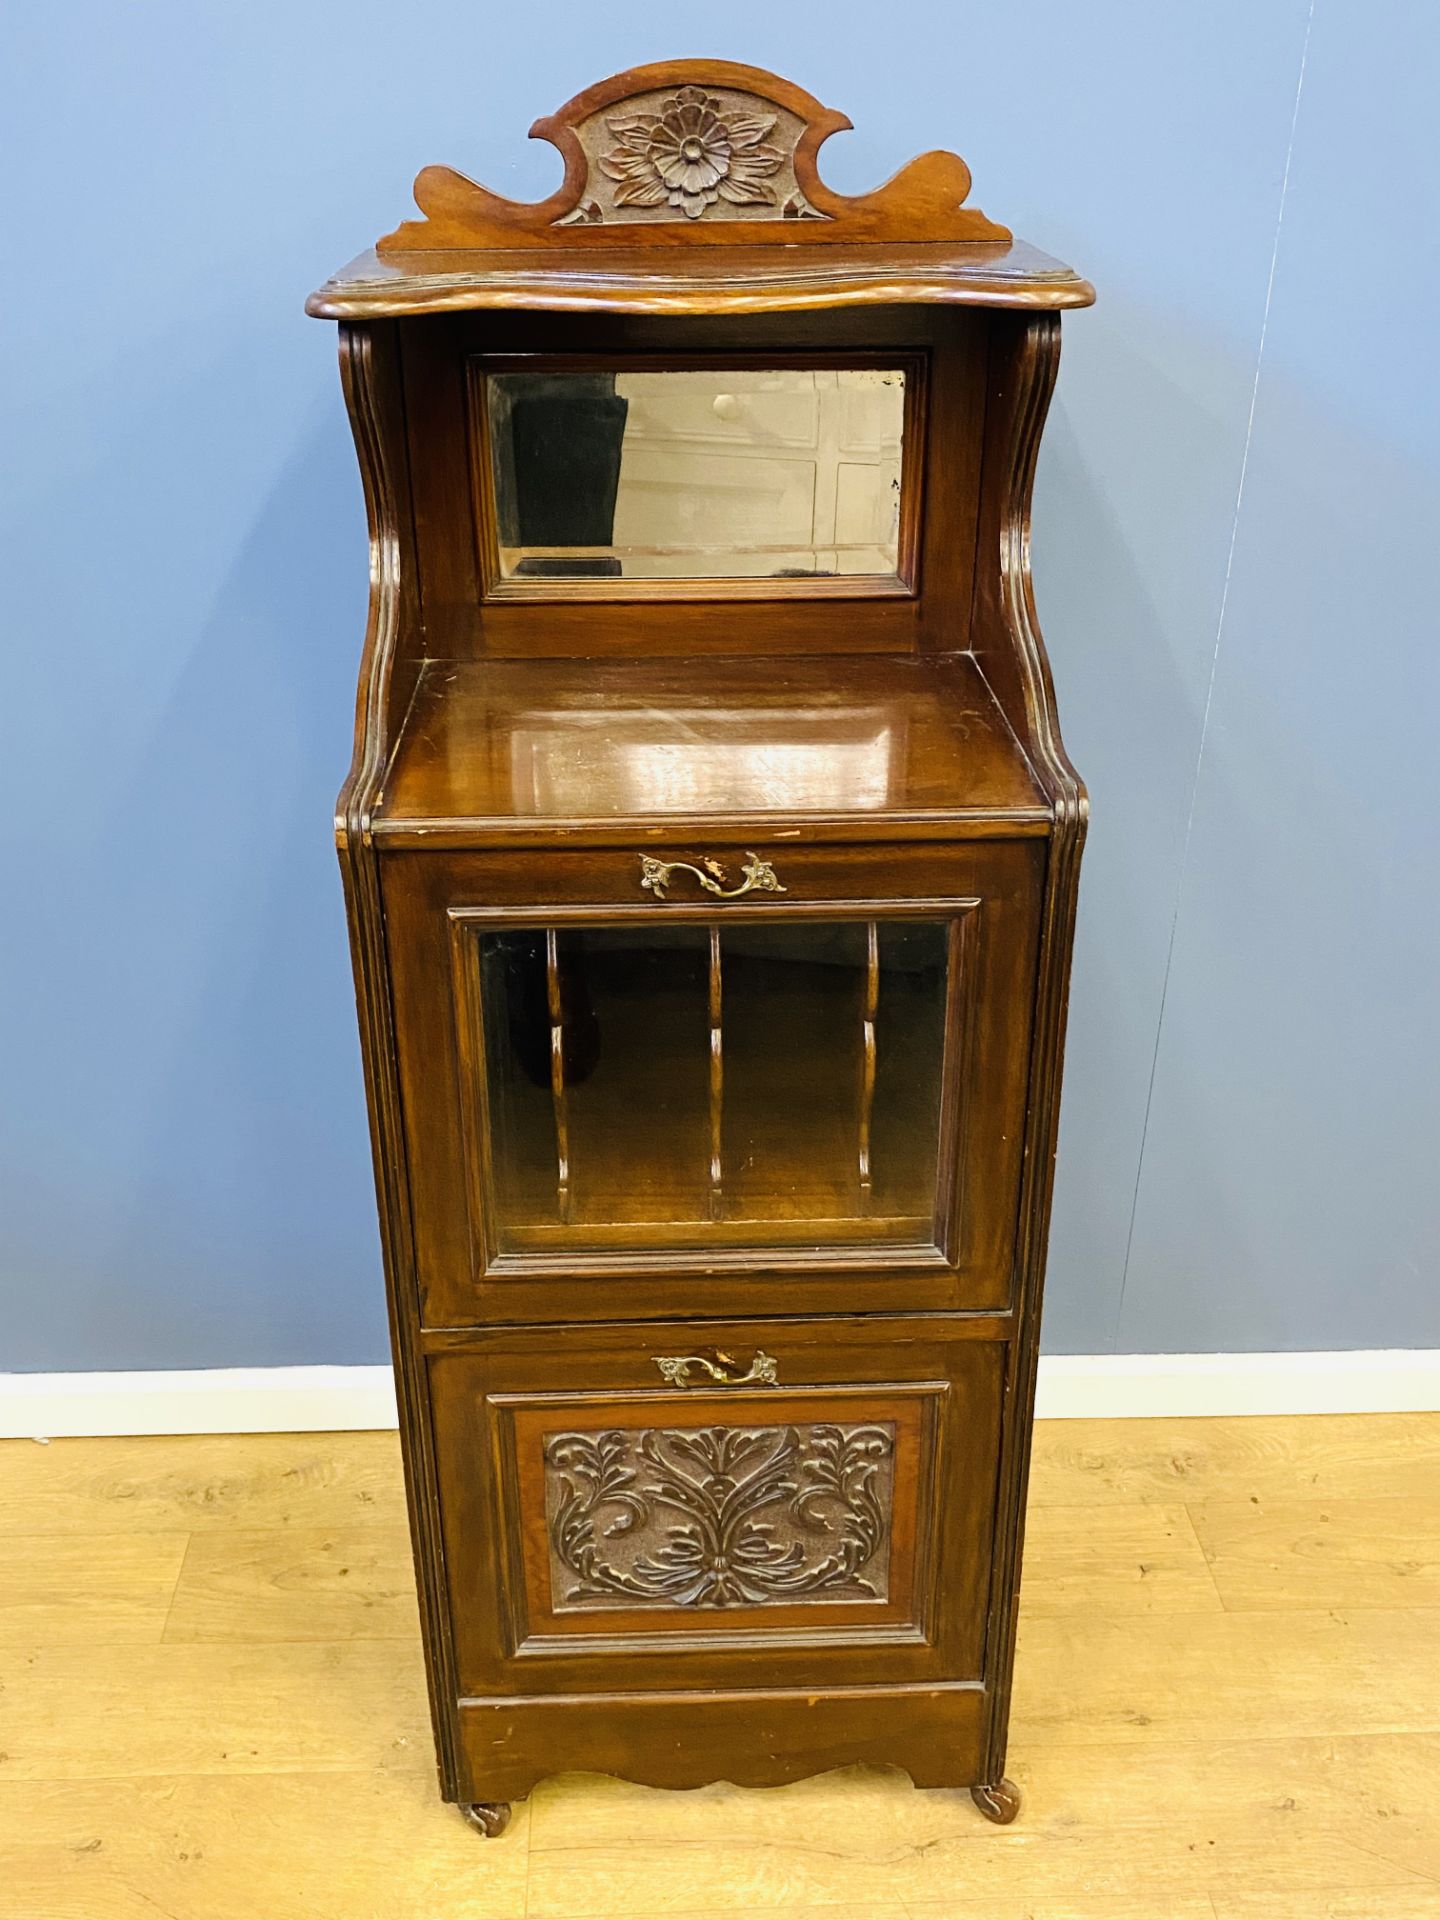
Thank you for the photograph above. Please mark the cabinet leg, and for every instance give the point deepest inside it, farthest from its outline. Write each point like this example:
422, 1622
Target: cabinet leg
490, 1817
999, 1803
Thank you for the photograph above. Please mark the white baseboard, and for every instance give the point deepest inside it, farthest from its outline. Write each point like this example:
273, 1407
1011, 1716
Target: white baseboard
207, 1400
1130, 1386
1072, 1387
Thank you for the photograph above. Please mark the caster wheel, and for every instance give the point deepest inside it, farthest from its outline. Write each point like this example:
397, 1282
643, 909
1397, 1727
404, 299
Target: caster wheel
999, 1803
488, 1817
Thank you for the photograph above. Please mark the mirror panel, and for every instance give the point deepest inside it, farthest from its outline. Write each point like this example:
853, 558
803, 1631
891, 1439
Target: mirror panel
709, 474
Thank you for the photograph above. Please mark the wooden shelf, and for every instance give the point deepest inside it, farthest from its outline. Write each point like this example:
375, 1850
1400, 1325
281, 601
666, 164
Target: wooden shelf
837, 747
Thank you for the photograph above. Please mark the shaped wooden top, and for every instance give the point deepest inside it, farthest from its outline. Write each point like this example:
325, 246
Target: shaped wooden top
692, 186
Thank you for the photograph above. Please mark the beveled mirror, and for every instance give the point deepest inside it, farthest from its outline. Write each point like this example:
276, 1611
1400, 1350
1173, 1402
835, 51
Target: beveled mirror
653, 481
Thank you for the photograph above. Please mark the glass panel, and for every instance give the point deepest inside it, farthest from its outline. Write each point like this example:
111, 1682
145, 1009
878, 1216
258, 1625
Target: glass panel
815, 1133
712, 475
909, 1028
743, 1084
630, 1102
524, 1148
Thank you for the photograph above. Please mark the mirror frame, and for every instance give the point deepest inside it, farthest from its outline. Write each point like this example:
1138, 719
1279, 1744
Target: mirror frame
903, 584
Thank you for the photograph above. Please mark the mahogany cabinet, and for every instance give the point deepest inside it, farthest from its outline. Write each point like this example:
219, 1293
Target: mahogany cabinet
711, 855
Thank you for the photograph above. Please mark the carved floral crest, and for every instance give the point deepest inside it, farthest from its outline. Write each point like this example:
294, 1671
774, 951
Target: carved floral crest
658, 149
693, 153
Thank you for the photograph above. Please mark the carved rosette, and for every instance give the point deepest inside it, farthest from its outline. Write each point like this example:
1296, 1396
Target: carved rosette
719, 1516
692, 153
696, 151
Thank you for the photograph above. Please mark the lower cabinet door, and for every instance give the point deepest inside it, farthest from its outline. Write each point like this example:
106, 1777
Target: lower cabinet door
713, 1505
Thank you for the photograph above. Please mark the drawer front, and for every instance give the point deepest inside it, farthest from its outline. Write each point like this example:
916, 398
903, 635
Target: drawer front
813, 1501
635, 1082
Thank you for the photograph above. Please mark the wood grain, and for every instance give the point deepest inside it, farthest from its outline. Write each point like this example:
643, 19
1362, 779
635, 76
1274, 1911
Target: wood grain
1115, 1560
730, 281
1108, 1821
227, 1708
827, 1912
154, 1485
1244, 1770
59, 1590
1343, 1553
1212, 1676
578, 755
296, 1583
1062, 1907
352, 1846
1376, 1903
1325, 1457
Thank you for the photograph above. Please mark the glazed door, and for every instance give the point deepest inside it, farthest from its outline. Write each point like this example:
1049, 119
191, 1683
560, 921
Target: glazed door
735, 1073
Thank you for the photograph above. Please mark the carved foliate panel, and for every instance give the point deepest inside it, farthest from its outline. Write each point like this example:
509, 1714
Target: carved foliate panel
721, 1517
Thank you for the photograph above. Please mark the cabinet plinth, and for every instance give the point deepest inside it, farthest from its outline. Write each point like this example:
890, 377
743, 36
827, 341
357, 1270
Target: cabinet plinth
711, 855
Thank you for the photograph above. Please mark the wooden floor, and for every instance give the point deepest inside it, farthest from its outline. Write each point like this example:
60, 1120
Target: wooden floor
1227, 1703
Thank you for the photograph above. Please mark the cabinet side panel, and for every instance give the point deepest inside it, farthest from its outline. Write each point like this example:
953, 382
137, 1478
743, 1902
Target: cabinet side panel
371, 377
370, 373
1024, 359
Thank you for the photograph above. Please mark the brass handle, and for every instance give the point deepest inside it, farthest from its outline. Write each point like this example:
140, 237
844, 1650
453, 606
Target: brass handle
676, 1369
759, 876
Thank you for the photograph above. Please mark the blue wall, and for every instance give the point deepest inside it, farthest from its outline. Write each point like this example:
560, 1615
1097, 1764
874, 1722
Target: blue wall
1238, 577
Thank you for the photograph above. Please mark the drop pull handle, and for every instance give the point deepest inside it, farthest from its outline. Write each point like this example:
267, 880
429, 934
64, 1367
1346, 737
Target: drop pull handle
759, 876
724, 1369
